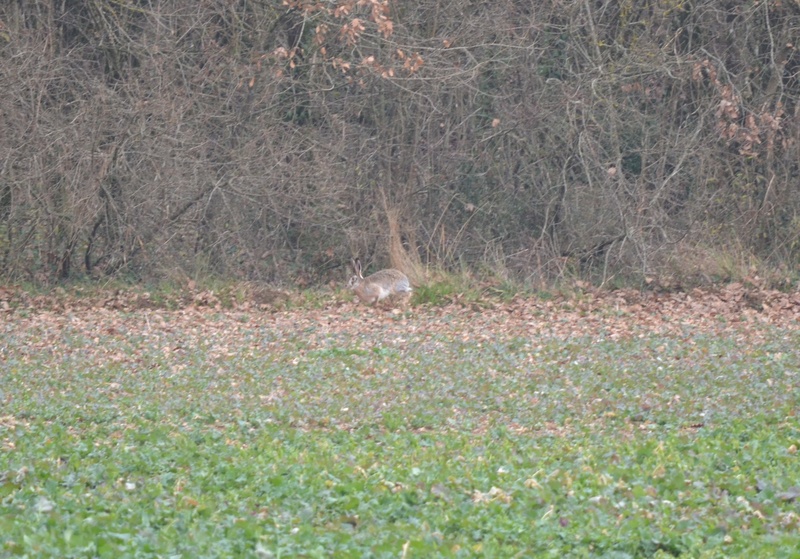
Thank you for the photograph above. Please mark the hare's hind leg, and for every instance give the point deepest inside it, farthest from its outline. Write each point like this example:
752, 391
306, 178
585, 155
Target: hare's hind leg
405, 300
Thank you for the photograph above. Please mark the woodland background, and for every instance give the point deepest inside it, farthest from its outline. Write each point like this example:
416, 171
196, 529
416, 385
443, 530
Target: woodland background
612, 141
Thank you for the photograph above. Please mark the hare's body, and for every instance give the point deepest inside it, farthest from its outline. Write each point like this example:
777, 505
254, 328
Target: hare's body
379, 285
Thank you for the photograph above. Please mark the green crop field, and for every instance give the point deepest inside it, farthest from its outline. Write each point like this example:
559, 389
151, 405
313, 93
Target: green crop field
522, 430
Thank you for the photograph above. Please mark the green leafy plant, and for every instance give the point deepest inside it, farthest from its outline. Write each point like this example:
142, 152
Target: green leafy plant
447, 433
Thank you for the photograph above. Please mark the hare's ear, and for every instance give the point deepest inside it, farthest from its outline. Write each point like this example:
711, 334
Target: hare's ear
357, 267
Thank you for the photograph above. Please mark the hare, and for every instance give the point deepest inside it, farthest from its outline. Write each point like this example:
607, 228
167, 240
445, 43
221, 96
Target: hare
379, 285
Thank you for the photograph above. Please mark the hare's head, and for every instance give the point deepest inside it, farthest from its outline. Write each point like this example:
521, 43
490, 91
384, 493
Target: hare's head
356, 279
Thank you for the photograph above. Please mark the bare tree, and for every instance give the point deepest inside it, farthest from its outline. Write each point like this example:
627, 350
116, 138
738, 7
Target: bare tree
275, 140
